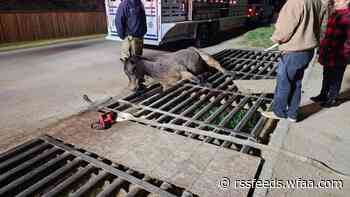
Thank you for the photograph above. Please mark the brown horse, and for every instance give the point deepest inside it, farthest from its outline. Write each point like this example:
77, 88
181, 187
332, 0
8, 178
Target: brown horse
170, 68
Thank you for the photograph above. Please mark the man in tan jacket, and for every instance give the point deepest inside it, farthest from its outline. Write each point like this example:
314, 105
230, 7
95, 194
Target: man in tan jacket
298, 30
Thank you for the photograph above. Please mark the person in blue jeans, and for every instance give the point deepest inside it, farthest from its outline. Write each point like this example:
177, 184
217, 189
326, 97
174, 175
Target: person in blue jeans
290, 73
297, 32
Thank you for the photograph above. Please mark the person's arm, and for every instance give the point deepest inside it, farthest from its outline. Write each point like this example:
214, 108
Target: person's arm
120, 20
144, 20
288, 21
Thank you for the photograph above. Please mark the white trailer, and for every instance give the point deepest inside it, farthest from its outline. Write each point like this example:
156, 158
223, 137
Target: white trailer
173, 20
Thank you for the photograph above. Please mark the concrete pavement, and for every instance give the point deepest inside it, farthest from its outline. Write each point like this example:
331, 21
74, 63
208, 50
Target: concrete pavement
187, 163
42, 85
321, 141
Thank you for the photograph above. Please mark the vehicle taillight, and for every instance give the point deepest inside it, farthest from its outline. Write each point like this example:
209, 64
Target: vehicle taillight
251, 12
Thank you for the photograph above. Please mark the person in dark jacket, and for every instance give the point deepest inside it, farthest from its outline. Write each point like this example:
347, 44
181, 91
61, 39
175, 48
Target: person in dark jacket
131, 27
334, 53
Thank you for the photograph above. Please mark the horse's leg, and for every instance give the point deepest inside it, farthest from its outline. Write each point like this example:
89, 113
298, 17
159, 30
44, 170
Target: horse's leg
185, 75
210, 60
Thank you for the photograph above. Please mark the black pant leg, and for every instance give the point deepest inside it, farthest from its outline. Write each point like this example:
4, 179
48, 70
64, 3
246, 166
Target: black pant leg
327, 73
337, 79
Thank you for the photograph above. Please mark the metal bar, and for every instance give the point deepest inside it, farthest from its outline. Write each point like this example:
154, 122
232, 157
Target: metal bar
183, 104
164, 105
50, 178
234, 111
186, 194
168, 95
213, 116
90, 184
241, 66
27, 145
59, 188
229, 64
177, 116
229, 116
23, 155
148, 101
196, 105
159, 101
244, 59
205, 109
137, 94
217, 74
27, 164
153, 98
137, 191
227, 92
258, 62
255, 132
172, 101
116, 184
32, 174
248, 115
219, 81
229, 55
221, 54
146, 94
147, 186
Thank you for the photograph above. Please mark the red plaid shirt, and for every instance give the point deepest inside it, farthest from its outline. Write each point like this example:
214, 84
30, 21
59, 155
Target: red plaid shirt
335, 46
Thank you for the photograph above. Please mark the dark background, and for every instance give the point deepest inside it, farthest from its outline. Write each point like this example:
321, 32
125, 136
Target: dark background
78, 5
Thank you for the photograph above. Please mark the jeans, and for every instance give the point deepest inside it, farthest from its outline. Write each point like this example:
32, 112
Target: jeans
331, 83
290, 73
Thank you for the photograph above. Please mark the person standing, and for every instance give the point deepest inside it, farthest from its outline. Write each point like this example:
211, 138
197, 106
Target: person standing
334, 52
131, 27
297, 32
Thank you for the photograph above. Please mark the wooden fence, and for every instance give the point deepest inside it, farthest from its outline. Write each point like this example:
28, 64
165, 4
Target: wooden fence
25, 26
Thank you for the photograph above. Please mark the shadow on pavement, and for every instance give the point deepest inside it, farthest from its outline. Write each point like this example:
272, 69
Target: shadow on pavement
310, 109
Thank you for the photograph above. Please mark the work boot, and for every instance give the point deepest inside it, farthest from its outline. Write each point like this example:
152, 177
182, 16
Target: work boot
319, 98
329, 103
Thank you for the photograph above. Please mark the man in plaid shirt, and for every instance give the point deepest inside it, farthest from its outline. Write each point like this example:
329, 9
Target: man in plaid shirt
334, 53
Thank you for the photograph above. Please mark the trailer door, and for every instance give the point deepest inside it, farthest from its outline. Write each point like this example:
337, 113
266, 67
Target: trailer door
111, 11
151, 8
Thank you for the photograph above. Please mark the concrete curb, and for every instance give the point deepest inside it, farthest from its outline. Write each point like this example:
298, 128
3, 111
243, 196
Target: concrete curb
277, 140
49, 43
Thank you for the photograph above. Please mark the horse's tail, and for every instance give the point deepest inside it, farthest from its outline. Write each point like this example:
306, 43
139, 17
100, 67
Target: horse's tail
209, 60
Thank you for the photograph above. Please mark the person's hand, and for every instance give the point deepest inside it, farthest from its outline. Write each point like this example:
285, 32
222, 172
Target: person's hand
274, 40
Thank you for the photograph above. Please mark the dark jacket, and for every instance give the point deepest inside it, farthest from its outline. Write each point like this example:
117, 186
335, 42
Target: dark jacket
131, 19
335, 46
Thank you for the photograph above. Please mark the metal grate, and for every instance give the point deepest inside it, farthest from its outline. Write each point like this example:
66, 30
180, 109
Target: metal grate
216, 107
48, 167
